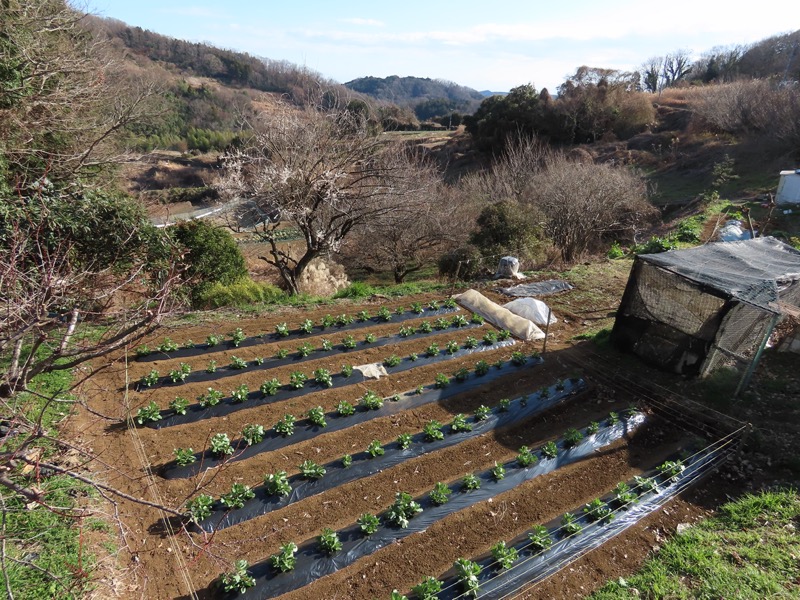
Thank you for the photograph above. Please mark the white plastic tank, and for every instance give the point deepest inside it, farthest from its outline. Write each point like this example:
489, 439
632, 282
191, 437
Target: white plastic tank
789, 188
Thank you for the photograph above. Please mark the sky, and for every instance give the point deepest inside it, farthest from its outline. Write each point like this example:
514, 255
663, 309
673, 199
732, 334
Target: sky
488, 45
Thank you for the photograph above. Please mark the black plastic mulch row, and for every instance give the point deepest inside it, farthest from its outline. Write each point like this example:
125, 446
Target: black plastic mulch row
532, 567
293, 359
364, 465
269, 338
305, 430
226, 406
312, 564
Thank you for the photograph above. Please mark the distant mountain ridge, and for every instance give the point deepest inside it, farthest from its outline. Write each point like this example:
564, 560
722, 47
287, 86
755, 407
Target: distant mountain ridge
428, 98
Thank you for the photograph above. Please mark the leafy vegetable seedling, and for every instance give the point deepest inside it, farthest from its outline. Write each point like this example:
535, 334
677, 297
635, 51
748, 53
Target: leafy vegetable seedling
597, 510
440, 493
460, 424
570, 525
329, 542
317, 416
498, 472
297, 379
433, 431
539, 538
221, 444
253, 434
240, 393
371, 401
572, 437
148, 413
277, 484
270, 387
481, 368
345, 409
375, 449
470, 482
525, 458
238, 363
238, 495
210, 398
285, 427
285, 560
307, 326
428, 589
237, 337
199, 508
403, 509
404, 440
368, 523
237, 580
311, 470
550, 450
184, 456
150, 379
467, 573
347, 461
482, 412
504, 555
304, 349
323, 377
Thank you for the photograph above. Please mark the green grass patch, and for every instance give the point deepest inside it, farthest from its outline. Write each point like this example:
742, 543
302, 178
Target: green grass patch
50, 542
749, 550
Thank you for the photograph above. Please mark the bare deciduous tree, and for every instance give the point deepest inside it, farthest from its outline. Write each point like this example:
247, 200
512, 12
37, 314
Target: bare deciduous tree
325, 173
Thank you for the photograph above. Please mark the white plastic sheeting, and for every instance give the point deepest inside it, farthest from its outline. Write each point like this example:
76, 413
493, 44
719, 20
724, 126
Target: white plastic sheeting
520, 327
532, 309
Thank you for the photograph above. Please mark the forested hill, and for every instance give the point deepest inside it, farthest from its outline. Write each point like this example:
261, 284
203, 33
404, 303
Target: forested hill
428, 97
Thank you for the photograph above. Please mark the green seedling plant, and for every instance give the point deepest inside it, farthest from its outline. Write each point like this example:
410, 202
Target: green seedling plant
285, 427
570, 525
281, 353
482, 412
623, 494
368, 523
343, 319
375, 449
240, 393
413, 356
180, 374
503, 335
307, 326
613, 418
277, 484
560, 385
459, 321
470, 482
270, 387
150, 379
498, 472
212, 366
645, 484
404, 440
392, 361
345, 409
544, 393
395, 398
326, 345
461, 374
539, 538
317, 416
349, 342
282, 330
347, 371
518, 358
362, 316
441, 323
504, 405
327, 321
416, 308
148, 413
467, 573
184, 456
304, 349
471, 342
451, 347
384, 314
403, 509
347, 461
371, 401
460, 424
329, 542
433, 305
188, 345
440, 494
221, 444
526, 458
597, 510
237, 497
210, 398
476, 319
405, 331
143, 351
237, 337
323, 378
671, 469
425, 327
481, 368
433, 431
428, 589
285, 559
441, 380
238, 363
504, 555
450, 303
490, 337
550, 450
253, 434
258, 361
237, 580
311, 470
297, 379
593, 428
213, 340
369, 338
199, 508
572, 437
167, 346
420, 390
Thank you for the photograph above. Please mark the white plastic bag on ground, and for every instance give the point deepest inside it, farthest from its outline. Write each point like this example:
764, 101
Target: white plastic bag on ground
520, 327
531, 309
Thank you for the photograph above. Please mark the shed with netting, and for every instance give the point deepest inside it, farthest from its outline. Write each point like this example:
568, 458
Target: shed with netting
696, 310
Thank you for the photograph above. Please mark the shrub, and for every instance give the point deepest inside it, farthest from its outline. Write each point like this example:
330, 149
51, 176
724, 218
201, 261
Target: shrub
462, 263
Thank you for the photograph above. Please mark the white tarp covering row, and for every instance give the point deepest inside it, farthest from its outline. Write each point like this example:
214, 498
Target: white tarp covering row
520, 327
533, 310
